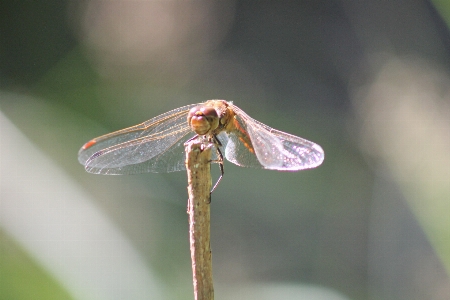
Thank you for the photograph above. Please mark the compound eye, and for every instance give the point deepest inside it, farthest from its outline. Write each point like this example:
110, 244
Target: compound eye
203, 119
209, 112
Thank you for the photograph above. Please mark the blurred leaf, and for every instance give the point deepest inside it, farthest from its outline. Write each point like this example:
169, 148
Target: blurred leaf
443, 7
22, 278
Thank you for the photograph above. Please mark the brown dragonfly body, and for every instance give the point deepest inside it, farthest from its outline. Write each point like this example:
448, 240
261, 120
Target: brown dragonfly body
157, 145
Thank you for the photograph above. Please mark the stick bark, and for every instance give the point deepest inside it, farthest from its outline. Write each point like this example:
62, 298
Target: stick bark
198, 158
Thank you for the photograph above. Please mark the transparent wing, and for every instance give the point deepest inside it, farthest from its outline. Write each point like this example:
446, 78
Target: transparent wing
156, 145
253, 144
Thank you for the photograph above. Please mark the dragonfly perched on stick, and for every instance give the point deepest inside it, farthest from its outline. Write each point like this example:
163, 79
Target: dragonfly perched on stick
157, 145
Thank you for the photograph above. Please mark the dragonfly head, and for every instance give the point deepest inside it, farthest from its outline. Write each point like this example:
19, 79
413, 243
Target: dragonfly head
203, 119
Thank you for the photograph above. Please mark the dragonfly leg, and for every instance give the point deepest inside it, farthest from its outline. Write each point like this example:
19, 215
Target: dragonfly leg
213, 139
218, 143
191, 139
220, 162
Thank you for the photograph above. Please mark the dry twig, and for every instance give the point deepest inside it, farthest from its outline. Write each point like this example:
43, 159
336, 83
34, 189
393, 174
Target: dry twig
198, 157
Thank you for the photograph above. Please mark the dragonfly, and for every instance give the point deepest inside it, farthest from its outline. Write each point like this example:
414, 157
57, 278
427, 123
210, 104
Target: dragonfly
157, 145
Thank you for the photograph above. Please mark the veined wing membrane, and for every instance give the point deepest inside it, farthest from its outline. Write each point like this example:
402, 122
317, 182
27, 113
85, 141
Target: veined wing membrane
254, 144
156, 145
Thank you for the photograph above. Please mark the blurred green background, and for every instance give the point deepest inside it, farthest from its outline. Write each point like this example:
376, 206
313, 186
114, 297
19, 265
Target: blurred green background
367, 80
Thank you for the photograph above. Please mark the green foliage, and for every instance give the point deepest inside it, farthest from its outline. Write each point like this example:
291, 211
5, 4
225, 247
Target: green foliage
22, 278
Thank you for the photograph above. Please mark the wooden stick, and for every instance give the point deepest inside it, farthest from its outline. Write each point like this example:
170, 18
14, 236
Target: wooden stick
198, 162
